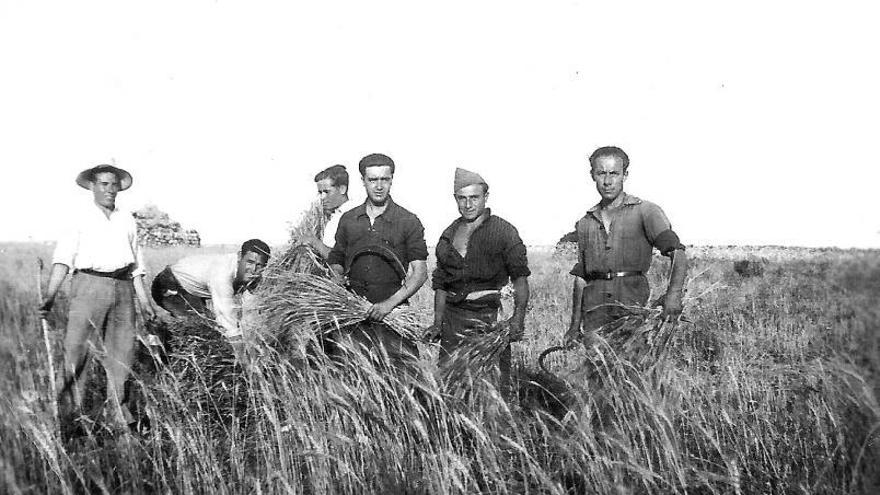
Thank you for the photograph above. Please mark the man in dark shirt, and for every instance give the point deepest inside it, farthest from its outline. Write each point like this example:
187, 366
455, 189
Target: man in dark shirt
380, 253
616, 239
476, 256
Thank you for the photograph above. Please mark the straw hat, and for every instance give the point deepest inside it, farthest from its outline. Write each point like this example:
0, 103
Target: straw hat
86, 177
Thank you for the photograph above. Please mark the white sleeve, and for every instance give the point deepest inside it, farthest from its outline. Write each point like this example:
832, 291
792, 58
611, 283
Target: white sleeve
223, 300
136, 249
67, 246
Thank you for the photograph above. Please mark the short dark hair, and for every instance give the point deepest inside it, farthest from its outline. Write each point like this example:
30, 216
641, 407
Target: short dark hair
337, 175
610, 151
375, 160
255, 246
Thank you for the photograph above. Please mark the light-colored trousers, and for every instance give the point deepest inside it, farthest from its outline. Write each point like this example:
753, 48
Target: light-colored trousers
101, 312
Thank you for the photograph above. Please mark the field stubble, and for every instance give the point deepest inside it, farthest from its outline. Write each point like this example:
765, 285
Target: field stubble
770, 389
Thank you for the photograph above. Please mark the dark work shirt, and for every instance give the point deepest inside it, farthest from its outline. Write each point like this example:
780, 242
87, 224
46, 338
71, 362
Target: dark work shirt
637, 227
495, 255
360, 249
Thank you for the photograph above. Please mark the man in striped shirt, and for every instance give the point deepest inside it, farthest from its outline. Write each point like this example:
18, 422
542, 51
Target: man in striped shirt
477, 255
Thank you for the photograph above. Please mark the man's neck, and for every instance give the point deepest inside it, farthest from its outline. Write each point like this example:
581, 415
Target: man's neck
106, 211
330, 213
377, 207
614, 203
476, 221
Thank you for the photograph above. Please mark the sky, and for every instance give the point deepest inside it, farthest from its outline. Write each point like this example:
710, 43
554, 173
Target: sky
748, 122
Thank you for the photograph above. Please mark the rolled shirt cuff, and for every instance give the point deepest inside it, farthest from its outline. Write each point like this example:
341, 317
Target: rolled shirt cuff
667, 241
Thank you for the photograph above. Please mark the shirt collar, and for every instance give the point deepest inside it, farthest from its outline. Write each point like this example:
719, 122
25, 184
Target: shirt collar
450, 231
100, 211
389, 214
628, 200
344, 207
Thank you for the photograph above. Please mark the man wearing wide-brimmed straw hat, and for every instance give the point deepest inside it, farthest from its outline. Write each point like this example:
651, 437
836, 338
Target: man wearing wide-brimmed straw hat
380, 250
616, 239
476, 257
101, 248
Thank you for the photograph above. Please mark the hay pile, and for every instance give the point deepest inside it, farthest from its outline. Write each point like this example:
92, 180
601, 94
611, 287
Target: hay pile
156, 228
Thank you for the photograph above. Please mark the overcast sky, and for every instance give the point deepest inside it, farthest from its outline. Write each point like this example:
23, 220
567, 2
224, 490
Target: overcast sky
747, 122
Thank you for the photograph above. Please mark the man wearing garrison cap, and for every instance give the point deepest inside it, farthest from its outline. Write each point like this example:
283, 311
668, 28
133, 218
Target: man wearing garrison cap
476, 256
101, 248
380, 253
616, 239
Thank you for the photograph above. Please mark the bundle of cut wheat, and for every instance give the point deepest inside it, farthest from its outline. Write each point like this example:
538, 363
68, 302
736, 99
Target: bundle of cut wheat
298, 256
641, 335
477, 354
293, 301
311, 224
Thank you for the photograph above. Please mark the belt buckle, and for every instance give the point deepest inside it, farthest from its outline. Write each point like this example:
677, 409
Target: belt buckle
609, 275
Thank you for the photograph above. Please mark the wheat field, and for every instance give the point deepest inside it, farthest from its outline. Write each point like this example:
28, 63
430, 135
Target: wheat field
770, 388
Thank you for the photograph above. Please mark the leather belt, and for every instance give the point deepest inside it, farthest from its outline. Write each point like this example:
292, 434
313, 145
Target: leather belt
609, 275
121, 274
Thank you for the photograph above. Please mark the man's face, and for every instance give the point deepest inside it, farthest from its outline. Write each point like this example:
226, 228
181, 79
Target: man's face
105, 186
471, 201
331, 196
377, 182
609, 176
250, 266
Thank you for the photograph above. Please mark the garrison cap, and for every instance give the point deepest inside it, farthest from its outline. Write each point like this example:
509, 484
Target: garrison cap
464, 178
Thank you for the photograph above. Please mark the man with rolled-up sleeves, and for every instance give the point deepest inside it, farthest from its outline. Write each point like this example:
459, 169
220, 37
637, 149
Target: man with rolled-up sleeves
616, 239
477, 255
380, 253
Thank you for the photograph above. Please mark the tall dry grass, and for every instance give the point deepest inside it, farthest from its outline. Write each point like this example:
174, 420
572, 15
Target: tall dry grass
771, 389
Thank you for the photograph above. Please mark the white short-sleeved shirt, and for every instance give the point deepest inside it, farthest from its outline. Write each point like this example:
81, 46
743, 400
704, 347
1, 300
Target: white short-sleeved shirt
211, 276
94, 241
329, 237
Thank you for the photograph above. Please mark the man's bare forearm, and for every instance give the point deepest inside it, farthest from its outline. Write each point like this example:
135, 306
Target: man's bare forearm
439, 305
520, 298
679, 272
141, 290
418, 274
56, 277
321, 248
577, 301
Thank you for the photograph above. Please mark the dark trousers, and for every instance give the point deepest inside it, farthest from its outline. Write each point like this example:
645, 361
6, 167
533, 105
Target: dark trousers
461, 322
601, 296
168, 294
